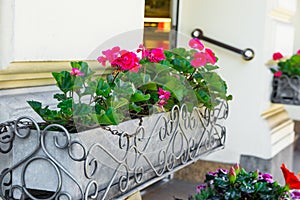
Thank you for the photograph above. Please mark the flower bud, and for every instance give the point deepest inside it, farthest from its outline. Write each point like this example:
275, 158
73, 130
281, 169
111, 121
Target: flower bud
256, 174
232, 175
237, 168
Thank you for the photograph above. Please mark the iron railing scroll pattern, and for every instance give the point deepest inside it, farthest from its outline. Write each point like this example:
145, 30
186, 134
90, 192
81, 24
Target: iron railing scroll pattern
286, 90
97, 169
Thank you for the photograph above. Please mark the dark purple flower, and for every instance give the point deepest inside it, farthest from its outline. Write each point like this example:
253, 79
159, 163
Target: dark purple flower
212, 173
266, 177
295, 194
224, 171
200, 187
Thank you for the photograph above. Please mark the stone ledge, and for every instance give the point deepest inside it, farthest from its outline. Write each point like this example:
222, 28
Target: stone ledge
196, 171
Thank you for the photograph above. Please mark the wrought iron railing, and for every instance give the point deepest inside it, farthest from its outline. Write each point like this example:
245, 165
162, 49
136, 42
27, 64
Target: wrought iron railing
286, 90
95, 164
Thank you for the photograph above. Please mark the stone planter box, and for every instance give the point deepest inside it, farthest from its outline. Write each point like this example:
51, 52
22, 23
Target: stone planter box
286, 90
104, 163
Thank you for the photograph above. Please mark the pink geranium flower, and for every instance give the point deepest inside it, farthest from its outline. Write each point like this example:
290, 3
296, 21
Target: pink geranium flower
210, 56
109, 55
142, 49
195, 43
278, 74
76, 72
199, 60
102, 60
277, 56
298, 52
155, 55
163, 94
162, 102
128, 61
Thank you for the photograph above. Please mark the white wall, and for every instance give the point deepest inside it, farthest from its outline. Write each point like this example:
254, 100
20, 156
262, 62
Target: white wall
6, 31
242, 24
65, 30
51, 30
297, 26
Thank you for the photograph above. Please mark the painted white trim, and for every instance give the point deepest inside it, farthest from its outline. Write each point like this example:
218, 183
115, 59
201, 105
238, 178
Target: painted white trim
282, 15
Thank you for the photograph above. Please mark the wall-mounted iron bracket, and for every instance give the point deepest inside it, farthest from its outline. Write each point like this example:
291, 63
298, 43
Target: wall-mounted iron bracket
247, 54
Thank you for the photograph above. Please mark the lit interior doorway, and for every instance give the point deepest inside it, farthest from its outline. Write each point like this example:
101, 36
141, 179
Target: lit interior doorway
160, 23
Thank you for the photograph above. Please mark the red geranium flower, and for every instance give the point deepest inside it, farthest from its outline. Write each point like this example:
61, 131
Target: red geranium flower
128, 61
195, 43
290, 179
278, 74
277, 56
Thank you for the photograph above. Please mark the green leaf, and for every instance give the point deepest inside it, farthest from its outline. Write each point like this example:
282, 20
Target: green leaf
35, 105
81, 109
104, 119
179, 51
102, 89
66, 107
229, 98
150, 86
138, 96
211, 67
110, 79
120, 103
109, 118
135, 107
60, 97
90, 89
64, 81
111, 113
45, 113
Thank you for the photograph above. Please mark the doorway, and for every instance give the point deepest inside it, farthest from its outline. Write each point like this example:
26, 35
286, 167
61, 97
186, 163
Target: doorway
160, 23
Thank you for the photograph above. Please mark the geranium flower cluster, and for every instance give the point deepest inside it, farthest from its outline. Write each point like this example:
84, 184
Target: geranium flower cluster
204, 56
124, 60
121, 59
285, 66
143, 81
237, 183
163, 97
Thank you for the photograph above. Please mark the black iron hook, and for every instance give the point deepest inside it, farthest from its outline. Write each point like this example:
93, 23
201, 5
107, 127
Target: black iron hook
247, 54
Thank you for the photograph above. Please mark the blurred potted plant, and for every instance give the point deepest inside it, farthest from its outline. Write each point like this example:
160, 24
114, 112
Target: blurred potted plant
237, 183
286, 80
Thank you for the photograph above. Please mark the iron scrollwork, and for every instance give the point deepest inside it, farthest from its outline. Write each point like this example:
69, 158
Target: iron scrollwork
114, 166
286, 90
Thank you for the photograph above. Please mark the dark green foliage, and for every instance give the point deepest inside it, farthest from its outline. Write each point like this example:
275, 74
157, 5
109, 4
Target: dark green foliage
289, 67
246, 186
208, 86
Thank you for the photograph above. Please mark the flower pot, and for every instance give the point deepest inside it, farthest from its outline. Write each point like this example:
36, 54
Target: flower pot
286, 90
104, 163
293, 111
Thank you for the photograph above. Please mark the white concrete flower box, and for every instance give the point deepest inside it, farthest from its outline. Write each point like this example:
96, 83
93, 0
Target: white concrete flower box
97, 164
